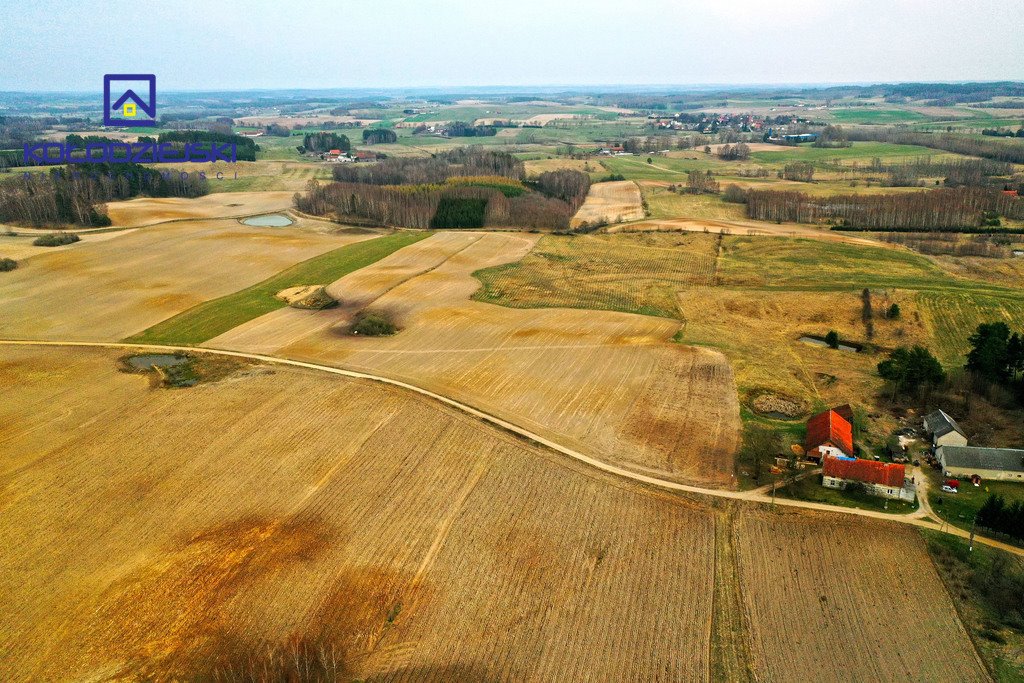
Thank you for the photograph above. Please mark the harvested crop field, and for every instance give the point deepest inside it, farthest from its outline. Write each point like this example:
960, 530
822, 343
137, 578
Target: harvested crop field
611, 202
868, 594
608, 384
108, 289
150, 210
282, 519
279, 511
637, 273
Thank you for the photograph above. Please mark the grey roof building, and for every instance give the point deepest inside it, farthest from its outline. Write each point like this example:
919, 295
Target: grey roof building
944, 430
991, 463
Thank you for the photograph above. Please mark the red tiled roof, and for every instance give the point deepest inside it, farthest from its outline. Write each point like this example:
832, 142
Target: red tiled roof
869, 471
829, 427
1012, 193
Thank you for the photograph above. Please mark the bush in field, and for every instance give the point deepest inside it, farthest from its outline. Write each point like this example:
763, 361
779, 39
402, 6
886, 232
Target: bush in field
373, 325
56, 239
7, 264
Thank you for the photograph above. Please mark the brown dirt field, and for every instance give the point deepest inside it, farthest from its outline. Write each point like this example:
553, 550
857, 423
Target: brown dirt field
281, 514
20, 246
609, 384
149, 210
611, 202
279, 506
847, 601
535, 167
102, 290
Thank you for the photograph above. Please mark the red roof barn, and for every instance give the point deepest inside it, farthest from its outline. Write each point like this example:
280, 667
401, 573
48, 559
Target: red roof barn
827, 433
867, 471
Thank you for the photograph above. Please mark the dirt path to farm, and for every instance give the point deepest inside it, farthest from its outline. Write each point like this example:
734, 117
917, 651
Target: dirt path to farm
752, 496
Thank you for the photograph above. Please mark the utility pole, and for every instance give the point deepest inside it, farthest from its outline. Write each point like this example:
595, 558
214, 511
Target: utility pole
774, 484
970, 542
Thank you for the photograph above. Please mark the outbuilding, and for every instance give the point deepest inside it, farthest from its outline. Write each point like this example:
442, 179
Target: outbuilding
943, 430
987, 463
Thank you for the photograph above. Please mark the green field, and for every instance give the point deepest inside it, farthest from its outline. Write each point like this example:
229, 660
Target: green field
212, 318
875, 115
954, 315
858, 150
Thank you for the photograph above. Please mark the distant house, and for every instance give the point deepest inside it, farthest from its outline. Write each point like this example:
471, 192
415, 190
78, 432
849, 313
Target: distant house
987, 463
887, 480
800, 137
1010, 193
365, 155
944, 430
829, 434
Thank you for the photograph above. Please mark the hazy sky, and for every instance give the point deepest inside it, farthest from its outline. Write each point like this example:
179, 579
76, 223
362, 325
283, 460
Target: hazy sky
389, 43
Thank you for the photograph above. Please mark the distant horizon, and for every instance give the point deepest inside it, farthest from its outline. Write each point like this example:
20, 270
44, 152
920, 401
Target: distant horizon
560, 87
50, 46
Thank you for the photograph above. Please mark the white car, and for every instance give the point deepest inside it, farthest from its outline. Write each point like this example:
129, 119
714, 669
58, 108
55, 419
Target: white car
949, 489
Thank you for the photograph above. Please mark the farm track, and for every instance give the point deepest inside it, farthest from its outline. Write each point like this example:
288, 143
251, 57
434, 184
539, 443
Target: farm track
752, 496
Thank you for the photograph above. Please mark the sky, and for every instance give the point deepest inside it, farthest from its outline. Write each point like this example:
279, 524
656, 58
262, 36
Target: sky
255, 44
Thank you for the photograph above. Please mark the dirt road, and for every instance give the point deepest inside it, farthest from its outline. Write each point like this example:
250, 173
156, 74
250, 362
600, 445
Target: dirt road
752, 496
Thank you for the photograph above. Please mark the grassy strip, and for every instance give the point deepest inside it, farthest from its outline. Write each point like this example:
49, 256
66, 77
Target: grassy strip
212, 318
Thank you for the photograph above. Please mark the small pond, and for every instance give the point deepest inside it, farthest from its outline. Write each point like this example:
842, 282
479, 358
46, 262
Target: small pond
818, 341
270, 220
156, 360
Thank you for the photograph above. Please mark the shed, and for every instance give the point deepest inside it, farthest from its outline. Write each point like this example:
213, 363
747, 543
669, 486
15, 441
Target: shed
944, 430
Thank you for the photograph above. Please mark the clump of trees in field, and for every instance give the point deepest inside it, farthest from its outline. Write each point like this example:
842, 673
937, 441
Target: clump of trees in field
997, 353
912, 370
960, 209
701, 182
373, 325
738, 152
954, 172
56, 239
462, 188
324, 142
832, 137
76, 195
800, 171
7, 265
461, 129
378, 136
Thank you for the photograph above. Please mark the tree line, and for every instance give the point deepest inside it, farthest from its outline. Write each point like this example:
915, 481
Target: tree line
245, 148
324, 142
1010, 151
76, 195
379, 136
435, 169
942, 209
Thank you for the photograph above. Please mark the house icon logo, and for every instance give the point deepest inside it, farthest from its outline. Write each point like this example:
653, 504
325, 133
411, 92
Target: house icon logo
122, 103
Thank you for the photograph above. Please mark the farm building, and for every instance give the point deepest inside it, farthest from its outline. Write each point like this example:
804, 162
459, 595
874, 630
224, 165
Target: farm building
944, 430
987, 463
887, 480
829, 434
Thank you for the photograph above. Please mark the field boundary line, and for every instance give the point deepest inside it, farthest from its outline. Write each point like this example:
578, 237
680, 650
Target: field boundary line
752, 496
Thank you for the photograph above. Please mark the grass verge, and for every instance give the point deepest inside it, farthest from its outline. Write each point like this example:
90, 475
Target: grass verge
215, 317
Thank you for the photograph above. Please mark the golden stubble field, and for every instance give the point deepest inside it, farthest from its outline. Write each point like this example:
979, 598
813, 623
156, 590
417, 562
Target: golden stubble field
107, 289
609, 384
149, 210
612, 202
283, 522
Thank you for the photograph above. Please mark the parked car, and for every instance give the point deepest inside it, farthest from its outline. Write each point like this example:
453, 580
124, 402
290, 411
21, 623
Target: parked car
948, 489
